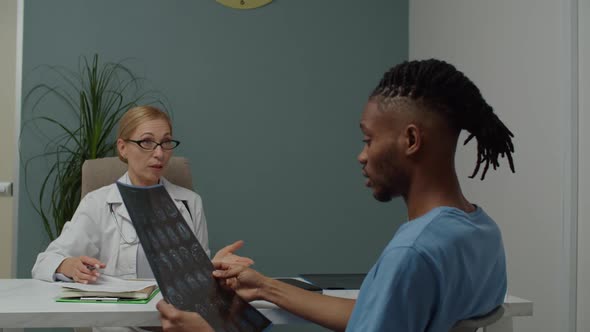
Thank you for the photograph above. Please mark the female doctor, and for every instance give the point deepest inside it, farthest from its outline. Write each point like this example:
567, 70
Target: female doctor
100, 235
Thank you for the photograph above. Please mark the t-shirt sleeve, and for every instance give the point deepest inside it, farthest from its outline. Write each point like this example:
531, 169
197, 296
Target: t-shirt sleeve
399, 294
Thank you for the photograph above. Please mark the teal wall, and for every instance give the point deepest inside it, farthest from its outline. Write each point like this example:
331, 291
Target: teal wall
266, 103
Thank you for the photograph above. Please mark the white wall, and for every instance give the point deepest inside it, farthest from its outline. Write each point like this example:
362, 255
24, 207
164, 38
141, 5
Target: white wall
8, 63
584, 209
519, 54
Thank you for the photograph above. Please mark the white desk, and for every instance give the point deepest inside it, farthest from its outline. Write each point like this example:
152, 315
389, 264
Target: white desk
31, 303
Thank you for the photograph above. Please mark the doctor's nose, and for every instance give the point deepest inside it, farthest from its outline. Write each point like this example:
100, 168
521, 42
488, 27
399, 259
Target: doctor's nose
158, 152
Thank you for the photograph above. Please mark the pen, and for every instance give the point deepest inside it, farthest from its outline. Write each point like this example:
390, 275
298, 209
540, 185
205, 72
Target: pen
99, 299
92, 267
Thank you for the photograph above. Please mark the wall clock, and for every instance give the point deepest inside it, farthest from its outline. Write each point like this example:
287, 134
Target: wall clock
244, 4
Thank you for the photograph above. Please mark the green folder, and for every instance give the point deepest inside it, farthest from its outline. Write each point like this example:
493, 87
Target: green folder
118, 301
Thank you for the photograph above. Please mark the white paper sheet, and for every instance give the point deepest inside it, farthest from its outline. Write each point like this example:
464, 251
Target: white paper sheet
111, 284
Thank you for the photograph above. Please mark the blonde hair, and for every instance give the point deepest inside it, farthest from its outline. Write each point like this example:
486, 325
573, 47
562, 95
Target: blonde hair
134, 117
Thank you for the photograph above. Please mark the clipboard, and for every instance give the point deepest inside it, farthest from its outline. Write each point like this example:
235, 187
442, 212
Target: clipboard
335, 280
109, 299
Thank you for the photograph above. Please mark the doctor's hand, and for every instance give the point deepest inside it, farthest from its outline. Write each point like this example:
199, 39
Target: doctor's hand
81, 269
226, 255
174, 320
246, 282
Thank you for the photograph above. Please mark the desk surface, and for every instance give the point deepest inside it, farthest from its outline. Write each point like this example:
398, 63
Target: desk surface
31, 303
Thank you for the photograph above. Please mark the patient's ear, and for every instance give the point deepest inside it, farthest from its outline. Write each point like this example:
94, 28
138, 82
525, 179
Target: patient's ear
412, 139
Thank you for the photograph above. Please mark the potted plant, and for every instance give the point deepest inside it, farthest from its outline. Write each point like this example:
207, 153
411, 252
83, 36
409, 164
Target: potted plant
96, 96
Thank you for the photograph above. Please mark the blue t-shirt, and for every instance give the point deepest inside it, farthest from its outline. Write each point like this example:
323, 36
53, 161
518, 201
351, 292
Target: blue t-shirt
442, 267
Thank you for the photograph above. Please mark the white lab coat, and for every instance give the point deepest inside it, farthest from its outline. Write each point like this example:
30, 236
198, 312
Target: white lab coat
93, 231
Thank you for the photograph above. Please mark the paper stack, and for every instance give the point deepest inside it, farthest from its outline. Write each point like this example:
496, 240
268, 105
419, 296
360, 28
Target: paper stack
109, 289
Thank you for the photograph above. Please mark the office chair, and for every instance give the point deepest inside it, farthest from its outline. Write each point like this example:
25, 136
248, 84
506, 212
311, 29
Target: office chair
97, 173
472, 324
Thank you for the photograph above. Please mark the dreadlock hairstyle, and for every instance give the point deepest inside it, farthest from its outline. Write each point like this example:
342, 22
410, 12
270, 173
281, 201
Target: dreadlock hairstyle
445, 89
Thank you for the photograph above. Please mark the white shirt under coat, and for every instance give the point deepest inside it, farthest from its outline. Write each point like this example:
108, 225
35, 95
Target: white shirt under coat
94, 232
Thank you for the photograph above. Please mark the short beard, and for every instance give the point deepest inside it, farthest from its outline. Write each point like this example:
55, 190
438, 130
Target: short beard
383, 196
393, 185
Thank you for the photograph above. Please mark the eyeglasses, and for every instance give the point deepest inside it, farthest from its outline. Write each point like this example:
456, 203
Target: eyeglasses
148, 144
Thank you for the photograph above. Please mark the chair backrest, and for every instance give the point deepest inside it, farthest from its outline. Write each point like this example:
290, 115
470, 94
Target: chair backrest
98, 173
472, 324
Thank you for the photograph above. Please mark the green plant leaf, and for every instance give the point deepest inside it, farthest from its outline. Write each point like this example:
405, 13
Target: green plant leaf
96, 97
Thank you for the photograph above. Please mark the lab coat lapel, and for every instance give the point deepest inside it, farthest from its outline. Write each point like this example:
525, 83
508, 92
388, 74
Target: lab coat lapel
115, 201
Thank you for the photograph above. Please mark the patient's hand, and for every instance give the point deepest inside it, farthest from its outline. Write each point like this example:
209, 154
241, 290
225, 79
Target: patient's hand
174, 320
226, 255
81, 269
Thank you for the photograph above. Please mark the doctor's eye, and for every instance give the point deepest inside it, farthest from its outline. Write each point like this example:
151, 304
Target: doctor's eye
148, 144
169, 144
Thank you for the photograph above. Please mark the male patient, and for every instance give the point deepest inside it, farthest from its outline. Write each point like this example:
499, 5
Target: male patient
447, 262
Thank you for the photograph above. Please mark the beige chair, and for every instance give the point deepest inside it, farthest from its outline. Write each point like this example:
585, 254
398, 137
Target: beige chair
97, 173
471, 325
